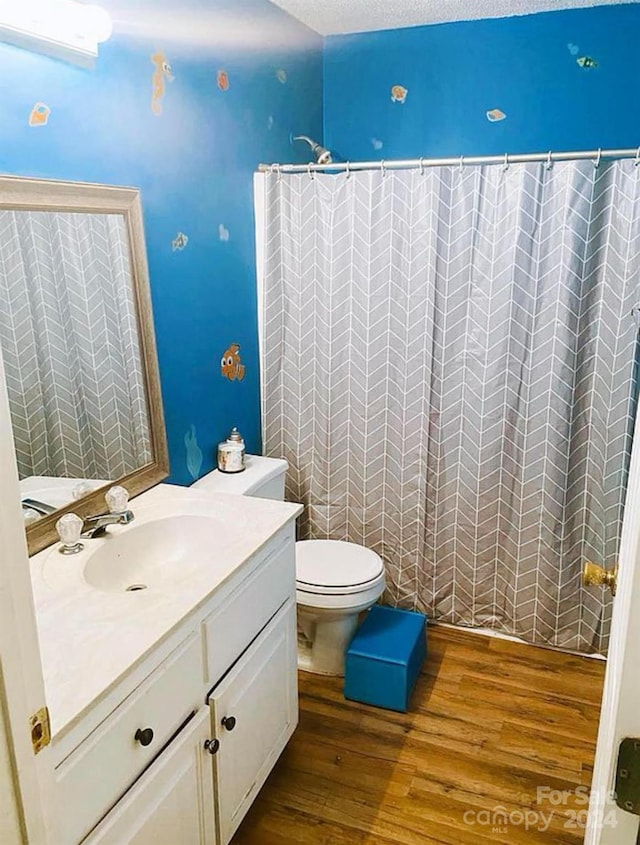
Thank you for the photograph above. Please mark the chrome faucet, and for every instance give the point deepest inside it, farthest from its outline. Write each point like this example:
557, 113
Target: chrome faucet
71, 527
39, 507
96, 526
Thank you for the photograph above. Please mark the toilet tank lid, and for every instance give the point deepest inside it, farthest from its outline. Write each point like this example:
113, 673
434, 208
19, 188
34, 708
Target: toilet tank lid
335, 563
258, 471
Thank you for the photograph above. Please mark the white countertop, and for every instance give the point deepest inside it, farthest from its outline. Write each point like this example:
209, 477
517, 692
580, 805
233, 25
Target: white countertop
89, 639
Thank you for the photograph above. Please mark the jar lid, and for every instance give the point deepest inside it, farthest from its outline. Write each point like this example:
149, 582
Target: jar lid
235, 436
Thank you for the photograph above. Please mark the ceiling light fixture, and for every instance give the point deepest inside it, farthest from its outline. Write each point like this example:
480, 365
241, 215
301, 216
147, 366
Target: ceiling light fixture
64, 29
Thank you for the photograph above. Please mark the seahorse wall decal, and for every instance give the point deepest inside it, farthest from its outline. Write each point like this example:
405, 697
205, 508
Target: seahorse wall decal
194, 453
161, 75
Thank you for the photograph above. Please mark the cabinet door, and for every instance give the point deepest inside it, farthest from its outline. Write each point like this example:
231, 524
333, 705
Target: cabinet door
254, 712
173, 802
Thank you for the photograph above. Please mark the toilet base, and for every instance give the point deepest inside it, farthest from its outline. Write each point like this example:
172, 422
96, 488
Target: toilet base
323, 642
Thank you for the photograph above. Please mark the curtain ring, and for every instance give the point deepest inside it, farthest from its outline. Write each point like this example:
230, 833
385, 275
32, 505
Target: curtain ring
310, 171
637, 159
461, 163
382, 170
505, 166
549, 161
596, 163
421, 166
347, 170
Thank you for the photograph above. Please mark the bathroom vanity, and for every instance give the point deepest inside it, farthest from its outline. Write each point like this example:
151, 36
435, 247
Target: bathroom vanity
168, 645
169, 659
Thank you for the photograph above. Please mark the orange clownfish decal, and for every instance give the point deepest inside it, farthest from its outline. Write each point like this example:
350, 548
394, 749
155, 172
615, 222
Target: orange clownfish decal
231, 365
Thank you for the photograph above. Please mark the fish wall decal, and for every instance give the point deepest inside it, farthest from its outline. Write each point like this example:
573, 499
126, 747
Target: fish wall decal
495, 115
398, 94
231, 365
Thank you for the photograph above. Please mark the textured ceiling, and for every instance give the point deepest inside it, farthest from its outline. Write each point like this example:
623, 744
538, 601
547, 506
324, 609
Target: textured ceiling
335, 17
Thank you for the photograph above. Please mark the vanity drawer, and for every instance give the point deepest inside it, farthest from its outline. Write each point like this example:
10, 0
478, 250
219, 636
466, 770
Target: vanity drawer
233, 626
106, 764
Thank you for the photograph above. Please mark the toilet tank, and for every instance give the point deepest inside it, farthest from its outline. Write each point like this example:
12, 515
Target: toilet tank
263, 478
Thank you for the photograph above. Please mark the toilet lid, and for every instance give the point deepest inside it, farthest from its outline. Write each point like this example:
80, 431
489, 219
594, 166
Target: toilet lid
335, 564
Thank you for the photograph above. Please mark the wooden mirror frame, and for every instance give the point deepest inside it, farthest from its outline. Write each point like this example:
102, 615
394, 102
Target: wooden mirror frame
22, 194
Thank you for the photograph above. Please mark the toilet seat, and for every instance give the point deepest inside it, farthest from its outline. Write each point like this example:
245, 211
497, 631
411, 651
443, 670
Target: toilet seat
335, 567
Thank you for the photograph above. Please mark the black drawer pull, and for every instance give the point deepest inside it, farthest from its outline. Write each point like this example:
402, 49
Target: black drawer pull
229, 722
212, 746
144, 737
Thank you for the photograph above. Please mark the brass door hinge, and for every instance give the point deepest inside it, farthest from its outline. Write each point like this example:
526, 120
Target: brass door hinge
40, 727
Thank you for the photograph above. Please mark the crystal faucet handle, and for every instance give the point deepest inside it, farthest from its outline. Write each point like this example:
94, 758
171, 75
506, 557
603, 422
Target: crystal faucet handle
69, 528
117, 499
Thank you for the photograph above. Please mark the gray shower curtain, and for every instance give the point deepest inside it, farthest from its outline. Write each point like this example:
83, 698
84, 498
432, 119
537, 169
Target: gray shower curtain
69, 339
449, 368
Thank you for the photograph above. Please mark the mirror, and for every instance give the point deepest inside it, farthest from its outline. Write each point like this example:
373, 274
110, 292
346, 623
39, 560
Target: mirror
78, 346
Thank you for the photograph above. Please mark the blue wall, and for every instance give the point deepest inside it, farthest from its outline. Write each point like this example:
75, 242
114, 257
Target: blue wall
454, 73
194, 163
194, 166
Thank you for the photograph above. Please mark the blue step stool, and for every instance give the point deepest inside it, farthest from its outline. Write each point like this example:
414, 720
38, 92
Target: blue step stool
385, 656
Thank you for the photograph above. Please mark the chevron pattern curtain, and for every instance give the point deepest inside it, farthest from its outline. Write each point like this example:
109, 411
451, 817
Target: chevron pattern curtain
69, 339
449, 368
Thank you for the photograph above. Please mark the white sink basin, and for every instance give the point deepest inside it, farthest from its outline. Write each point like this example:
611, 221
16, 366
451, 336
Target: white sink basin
172, 544
153, 554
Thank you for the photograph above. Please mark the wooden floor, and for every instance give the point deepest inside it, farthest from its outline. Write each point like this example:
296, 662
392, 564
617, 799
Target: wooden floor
492, 722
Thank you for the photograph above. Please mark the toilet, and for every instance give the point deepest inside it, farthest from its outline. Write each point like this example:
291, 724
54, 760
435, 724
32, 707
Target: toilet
335, 580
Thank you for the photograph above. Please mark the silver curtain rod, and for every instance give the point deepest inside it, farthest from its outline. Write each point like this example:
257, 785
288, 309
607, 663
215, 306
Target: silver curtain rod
419, 163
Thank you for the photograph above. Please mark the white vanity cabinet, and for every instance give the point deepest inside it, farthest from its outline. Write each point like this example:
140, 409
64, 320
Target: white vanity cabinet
113, 756
196, 729
254, 712
172, 802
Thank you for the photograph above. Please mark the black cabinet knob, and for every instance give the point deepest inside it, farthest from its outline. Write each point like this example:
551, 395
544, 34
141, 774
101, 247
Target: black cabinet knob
144, 736
229, 722
212, 746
